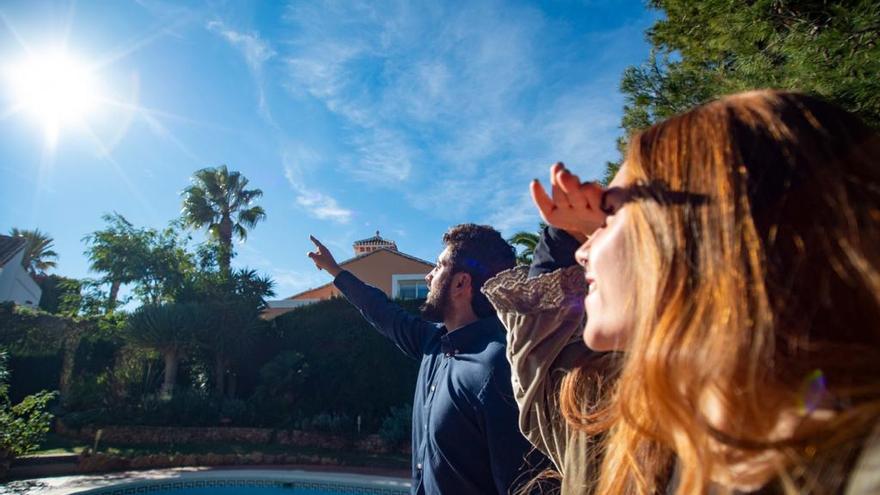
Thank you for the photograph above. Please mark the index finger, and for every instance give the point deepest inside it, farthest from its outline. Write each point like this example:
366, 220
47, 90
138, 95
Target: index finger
541, 199
316, 242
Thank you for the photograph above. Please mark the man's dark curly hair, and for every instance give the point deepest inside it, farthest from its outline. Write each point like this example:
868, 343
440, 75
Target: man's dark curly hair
480, 251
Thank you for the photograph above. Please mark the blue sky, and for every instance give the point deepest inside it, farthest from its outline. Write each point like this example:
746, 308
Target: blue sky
352, 117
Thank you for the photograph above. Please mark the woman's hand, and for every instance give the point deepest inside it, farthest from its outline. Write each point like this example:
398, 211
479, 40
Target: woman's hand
573, 207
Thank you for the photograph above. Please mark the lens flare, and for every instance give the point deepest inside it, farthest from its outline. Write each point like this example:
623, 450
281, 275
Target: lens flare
813, 391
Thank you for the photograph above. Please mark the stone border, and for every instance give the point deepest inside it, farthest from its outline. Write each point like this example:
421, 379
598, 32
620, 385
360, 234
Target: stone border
136, 435
101, 463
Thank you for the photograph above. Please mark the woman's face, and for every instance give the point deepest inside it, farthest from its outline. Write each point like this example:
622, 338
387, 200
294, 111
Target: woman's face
606, 258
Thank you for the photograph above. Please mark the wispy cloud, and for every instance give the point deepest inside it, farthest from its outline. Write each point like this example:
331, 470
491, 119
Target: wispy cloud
314, 202
322, 206
444, 109
256, 52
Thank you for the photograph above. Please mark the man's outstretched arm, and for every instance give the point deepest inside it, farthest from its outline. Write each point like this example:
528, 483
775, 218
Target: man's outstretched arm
407, 331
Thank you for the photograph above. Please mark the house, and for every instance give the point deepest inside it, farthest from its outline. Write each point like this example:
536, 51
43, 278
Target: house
377, 262
16, 284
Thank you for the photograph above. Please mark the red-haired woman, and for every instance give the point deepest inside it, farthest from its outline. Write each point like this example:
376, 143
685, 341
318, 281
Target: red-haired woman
732, 281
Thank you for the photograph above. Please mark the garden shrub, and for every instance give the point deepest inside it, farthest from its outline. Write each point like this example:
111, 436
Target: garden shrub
89, 391
22, 425
397, 426
352, 369
337, 424
185, 408
234, 411
32, 373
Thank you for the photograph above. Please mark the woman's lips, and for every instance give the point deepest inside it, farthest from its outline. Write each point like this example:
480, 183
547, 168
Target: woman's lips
591, 283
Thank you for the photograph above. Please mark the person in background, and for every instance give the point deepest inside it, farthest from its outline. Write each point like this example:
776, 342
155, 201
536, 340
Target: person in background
730, 278
465, 437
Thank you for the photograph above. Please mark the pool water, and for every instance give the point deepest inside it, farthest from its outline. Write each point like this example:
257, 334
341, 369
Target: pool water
254, 483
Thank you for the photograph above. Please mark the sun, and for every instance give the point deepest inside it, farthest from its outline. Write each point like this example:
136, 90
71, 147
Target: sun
54, 88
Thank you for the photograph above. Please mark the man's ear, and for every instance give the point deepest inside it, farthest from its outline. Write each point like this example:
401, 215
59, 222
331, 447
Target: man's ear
461, 282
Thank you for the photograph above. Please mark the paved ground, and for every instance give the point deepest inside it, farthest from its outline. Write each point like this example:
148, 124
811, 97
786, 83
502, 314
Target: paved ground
63, 485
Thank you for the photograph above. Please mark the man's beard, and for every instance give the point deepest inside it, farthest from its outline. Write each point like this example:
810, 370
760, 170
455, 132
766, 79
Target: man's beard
435, 306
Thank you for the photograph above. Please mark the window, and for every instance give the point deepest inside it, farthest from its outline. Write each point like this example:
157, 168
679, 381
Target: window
411, 289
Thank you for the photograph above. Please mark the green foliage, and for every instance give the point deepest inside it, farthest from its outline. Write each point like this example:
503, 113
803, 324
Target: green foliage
234, 411
157, 262
165, 327
169, 329
397, 426
219, 201
352, 369
32, 332
526, 242
22, 425
337, 424
231, 306
703, 50
33, 373
185, 408
38, 254
282, 377
57, 294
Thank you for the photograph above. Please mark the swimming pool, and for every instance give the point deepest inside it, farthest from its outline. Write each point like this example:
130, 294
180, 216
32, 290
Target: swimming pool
260, 482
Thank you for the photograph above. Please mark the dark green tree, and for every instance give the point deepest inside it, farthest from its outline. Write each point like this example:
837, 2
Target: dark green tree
156, 262
166, 267
119, 251
232, 307
220, 201
703, 50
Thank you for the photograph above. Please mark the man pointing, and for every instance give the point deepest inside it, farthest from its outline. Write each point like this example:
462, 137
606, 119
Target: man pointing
465, 435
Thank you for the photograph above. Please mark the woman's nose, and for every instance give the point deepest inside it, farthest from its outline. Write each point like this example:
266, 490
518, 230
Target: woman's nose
582, 255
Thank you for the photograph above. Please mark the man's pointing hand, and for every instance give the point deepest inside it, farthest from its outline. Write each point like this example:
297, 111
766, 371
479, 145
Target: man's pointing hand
323, 258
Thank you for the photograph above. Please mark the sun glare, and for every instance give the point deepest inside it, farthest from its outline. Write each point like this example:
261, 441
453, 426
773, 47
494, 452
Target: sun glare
54, 88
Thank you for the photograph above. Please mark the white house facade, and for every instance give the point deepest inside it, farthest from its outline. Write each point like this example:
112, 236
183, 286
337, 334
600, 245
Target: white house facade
16, 284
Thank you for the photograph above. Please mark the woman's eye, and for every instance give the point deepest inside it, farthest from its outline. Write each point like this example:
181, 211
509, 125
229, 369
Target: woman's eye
611, 201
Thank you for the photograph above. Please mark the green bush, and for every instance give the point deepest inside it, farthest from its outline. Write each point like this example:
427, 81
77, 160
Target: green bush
22, 425
397, 426
337, 424
32, 373
89, 391
352, 369
185, 408
234, 411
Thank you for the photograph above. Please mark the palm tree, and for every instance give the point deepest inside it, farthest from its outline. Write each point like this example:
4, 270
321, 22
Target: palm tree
38, 252
527, 241
218, 199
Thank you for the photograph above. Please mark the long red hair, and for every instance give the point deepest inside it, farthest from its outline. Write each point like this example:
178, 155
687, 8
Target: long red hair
760, 302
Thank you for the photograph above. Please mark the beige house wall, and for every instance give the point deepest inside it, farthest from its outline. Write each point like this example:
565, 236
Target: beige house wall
374, 269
